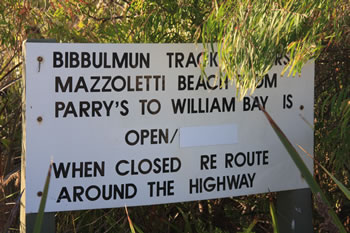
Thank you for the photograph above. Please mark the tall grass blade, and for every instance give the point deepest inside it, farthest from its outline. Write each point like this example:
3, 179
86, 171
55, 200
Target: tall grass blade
13, 213
251, 226
172, 226
138, 229
340, 184
342, 187
132, 229
315, 188
40, 216
8, 196
274, 217
188, 228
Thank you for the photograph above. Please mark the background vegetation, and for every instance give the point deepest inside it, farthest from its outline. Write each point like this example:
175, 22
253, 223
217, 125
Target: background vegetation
251, 34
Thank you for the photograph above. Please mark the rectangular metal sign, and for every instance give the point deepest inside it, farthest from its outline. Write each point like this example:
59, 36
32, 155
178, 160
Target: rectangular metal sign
137, 124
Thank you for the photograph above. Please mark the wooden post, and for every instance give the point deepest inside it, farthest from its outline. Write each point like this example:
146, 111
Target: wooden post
294, 211
27, 221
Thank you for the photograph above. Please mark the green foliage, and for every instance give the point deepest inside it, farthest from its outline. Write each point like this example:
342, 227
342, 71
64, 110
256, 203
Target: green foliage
332, 122
336, 111
250, 34
136, 21
10, 115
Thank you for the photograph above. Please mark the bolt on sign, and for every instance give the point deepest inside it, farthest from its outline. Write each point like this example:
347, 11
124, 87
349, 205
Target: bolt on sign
139, 124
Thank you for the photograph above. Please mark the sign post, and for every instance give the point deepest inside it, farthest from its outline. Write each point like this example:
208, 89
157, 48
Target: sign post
294, 211
139, 124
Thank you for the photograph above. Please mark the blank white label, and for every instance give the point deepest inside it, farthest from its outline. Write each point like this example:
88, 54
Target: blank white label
208, 135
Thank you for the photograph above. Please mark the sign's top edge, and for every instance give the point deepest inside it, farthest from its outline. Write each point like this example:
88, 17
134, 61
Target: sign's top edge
44, 41
40, 41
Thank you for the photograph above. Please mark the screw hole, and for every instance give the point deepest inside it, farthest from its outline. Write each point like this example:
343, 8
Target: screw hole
39, 194
301, 107
39, 119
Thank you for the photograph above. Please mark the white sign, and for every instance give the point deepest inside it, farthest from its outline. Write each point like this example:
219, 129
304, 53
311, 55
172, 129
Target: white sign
137, 124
